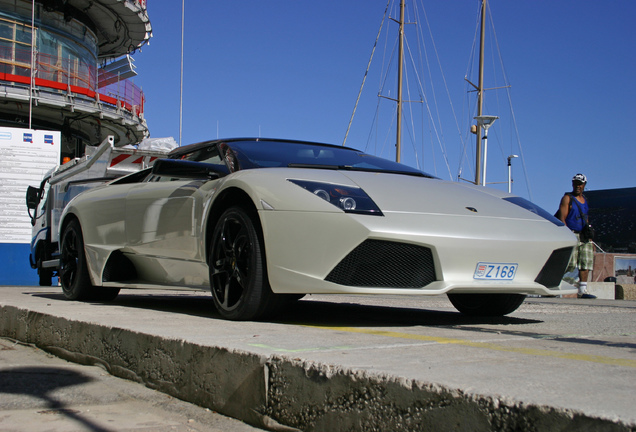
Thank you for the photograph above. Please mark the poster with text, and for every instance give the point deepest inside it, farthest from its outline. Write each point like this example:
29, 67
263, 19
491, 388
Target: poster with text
25, 156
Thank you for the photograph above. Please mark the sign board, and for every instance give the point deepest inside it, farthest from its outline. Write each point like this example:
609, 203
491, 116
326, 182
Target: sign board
625, 269
25, 156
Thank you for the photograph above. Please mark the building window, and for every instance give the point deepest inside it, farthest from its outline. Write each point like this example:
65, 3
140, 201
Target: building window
66, 52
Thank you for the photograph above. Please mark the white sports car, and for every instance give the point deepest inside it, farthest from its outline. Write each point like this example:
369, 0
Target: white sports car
261, 222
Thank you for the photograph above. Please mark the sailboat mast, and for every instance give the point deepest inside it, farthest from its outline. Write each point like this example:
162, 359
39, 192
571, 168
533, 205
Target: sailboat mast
398, 140
480, 90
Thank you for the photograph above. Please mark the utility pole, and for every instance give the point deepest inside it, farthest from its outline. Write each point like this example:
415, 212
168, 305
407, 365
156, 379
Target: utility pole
480, 90
510, 171
398, 140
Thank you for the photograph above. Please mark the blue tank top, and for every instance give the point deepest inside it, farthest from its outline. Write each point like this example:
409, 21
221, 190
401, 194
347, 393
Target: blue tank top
574, 219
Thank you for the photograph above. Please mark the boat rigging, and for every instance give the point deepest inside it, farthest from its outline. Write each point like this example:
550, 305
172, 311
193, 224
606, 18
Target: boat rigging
427, 99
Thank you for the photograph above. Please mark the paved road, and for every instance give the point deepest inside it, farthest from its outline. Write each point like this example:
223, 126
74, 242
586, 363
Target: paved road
573, 358
41, 392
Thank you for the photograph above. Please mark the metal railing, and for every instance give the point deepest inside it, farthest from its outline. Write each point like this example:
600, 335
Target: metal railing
65, 74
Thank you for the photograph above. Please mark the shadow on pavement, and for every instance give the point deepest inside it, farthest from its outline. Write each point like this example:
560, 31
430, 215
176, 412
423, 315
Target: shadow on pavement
359, 315
41, 383
308, 312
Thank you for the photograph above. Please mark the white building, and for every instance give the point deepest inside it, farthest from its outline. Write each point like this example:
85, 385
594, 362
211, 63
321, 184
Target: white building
66, 66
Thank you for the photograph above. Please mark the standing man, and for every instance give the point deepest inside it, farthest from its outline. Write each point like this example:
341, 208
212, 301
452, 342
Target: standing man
575, 216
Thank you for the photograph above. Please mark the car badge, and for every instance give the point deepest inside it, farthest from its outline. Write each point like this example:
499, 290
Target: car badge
472, 209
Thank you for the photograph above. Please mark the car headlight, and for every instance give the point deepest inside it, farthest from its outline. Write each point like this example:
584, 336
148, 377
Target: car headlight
524, 203
346, 198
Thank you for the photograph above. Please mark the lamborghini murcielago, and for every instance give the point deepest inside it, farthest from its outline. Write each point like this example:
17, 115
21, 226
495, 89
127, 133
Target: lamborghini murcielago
262, 222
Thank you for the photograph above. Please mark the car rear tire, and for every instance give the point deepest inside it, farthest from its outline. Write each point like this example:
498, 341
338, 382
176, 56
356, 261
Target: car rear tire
76, 283
486, 304
238, 276
74, 278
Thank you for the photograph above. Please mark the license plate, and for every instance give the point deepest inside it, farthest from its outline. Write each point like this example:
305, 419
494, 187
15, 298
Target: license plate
495, 271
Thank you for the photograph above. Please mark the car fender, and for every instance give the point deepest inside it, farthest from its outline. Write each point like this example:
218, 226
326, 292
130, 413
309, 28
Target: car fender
103, 227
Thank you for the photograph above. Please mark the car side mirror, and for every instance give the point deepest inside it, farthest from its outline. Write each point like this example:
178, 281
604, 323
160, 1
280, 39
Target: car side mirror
32, 197
186, 169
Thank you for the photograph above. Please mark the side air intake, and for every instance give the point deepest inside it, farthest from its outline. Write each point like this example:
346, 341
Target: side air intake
118, 268
552, 272
385, 264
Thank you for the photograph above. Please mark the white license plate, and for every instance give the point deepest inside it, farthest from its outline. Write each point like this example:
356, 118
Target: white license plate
495, 271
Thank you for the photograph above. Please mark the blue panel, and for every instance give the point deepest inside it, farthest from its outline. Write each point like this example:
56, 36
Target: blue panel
14, 265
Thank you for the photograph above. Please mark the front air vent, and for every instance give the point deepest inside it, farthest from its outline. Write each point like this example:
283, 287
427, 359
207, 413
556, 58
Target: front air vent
385, 264
552, 272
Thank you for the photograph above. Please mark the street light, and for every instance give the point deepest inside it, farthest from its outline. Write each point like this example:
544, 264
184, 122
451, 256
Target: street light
510, 172
485, 121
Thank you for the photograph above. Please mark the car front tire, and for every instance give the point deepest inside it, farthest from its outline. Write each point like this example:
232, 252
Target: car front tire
238, 276
486, 304
45, 274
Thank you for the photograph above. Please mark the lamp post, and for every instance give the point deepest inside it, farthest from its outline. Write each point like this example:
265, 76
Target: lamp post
485, 121
32, 80
510, 172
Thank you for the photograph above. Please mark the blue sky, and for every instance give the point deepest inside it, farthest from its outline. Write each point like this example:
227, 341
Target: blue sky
293, 69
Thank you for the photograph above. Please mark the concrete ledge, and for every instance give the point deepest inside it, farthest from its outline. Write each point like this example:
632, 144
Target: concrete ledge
626, 291
602, 290
280, 393
229, 382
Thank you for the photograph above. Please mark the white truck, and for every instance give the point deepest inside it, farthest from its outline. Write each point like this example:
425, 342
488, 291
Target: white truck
62, 183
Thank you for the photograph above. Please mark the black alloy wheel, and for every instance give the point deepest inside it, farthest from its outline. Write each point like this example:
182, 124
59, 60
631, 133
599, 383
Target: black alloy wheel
76, 283
238, 276
74, 278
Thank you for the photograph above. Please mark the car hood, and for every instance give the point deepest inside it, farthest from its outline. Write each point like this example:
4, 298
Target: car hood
393, 193
411, 194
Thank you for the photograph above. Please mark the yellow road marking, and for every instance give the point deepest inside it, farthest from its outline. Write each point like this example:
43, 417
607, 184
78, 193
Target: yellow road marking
300, 349
488, 345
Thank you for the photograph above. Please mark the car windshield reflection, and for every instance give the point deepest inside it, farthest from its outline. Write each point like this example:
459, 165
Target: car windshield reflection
268, 154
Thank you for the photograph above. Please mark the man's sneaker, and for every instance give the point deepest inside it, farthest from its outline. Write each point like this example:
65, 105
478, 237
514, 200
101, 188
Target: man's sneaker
586, 296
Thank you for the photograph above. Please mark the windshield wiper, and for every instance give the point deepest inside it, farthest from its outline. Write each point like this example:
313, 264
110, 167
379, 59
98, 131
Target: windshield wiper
316, 166
383, 171
353, 168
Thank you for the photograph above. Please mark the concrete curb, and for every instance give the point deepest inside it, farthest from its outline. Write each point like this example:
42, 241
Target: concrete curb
602, 290
280, 393
626, 291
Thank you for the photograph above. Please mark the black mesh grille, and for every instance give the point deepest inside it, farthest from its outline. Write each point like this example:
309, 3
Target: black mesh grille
554, 269
378, 263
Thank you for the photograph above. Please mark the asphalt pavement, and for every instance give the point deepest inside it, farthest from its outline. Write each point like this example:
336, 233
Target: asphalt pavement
349, 363
41, 392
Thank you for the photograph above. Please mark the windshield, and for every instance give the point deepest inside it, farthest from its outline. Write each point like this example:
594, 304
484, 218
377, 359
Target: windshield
267, 154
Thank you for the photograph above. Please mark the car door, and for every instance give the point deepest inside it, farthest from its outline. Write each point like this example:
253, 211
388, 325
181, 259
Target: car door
163, 219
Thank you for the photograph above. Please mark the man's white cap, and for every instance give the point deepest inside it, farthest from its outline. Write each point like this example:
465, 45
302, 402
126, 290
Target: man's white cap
580, 177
